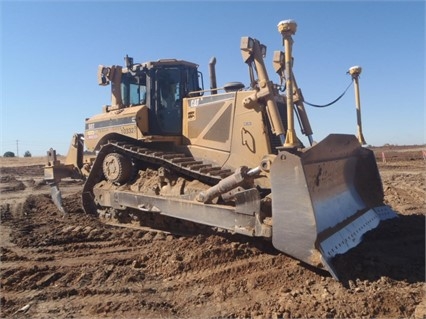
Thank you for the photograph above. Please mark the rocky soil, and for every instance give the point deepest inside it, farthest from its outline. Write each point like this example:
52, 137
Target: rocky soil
77, 267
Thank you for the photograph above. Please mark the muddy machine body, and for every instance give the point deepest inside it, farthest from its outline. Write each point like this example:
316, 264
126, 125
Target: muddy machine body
227, 157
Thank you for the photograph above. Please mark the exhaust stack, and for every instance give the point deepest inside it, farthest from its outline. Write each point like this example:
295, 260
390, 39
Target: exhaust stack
212, 70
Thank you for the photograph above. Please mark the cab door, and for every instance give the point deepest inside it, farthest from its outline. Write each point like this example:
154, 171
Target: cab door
168, 101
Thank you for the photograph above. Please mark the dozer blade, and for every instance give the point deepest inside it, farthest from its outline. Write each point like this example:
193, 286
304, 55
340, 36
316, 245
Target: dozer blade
325, 199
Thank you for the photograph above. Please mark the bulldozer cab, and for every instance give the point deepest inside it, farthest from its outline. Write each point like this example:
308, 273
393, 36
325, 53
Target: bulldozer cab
160, 86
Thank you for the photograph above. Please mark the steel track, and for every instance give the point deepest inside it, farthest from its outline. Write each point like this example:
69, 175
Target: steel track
180, 163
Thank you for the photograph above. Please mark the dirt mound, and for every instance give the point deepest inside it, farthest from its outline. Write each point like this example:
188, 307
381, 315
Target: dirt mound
64, 266
395, 250
8, 183
27, 170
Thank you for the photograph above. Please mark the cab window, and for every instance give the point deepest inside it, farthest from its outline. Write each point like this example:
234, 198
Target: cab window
133, 90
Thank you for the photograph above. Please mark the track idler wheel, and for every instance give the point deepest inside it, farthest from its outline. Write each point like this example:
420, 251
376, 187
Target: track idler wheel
117, 168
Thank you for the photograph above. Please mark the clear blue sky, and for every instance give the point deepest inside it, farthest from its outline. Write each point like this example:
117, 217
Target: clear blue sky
50, 52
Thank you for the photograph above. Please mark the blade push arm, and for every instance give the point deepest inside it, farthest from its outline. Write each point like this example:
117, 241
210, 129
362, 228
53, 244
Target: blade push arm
252, 52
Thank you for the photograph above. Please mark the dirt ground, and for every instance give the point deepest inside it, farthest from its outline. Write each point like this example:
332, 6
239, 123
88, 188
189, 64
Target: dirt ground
77, 267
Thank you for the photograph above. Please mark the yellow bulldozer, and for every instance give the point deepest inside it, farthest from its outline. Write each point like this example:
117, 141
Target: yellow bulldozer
226, 157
